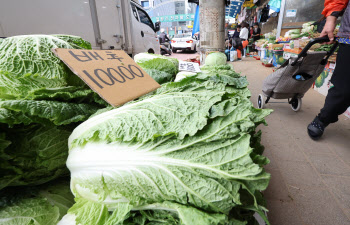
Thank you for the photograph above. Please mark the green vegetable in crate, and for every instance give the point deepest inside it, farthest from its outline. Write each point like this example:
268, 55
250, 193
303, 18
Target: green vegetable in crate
281, 60
294, 31
278, 48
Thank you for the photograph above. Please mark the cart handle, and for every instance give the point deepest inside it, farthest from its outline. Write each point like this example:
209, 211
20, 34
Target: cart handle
303, 53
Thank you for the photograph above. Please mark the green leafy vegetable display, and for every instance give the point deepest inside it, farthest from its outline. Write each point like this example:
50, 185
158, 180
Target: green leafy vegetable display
186, 154
39, 205
162, 69
31, 54
41, 102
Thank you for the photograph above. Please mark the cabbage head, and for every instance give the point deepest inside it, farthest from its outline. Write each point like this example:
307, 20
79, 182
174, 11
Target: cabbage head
216, 58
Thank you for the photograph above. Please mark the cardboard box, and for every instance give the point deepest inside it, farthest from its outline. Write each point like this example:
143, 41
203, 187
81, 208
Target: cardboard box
271, 47
301, 43
287, 55
294, 50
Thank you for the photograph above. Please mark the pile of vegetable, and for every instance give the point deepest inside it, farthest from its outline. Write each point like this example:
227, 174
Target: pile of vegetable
308, 29
283, 39
41, 102
187, 153
162, 69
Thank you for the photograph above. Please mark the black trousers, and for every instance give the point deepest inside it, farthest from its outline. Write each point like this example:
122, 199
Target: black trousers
338, 98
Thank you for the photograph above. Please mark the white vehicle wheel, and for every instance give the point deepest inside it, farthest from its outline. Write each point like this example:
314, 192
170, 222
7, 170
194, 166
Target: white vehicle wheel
261, 101
296, 104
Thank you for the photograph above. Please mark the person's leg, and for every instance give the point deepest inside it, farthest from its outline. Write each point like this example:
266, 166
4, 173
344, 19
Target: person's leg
337, 102
245, 44
338, 98
239, 54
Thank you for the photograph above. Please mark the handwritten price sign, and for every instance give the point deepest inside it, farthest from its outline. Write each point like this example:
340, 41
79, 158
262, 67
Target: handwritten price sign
110, 73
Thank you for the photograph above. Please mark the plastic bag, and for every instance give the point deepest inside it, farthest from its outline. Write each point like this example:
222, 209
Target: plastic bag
233, 54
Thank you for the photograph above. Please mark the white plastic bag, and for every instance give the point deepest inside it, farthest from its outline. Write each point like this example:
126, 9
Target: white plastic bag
233, 55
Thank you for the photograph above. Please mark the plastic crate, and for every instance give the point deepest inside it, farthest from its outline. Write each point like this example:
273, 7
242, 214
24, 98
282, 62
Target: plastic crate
278, 58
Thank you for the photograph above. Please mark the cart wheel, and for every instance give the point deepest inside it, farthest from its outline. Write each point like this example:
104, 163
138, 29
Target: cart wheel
261, 101
296, 104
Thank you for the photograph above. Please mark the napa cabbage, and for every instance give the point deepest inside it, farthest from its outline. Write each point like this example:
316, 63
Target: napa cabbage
187, 154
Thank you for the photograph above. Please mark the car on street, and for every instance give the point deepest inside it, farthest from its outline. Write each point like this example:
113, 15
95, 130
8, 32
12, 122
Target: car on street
184, 42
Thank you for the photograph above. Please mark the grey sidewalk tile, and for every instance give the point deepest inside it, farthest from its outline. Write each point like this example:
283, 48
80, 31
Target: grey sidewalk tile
317, 207
283, 213
282, 145
339, 142
311, 147
277, 189
347, 211
300, 174
287, 150
330, 164
340, 187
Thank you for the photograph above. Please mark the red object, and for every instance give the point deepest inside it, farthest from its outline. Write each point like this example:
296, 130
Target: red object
268, 65
190, 41
195, 61
173, 41
334, 6
257, 58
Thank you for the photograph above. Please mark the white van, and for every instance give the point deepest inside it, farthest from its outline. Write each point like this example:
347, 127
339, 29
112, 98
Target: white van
106, 24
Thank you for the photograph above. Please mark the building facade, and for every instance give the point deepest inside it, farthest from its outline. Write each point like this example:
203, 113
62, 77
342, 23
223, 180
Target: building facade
166, 10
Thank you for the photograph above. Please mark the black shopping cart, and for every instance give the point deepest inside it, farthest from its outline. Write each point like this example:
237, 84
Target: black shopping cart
295, 77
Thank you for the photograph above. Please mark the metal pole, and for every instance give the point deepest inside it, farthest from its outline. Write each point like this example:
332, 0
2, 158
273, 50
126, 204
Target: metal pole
212, 27
280, 19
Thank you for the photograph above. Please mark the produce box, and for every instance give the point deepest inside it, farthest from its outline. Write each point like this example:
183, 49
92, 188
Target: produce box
294, 50
271, 47
287, 55
288, 46
269, 54
278, 58
301, 43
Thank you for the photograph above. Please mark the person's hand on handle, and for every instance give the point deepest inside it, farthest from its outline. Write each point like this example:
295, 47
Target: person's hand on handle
329, 28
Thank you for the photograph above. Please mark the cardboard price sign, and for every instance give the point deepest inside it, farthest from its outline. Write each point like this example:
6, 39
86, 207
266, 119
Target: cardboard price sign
111, 73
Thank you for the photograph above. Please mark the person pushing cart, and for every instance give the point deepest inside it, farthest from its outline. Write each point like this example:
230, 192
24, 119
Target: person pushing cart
338, 98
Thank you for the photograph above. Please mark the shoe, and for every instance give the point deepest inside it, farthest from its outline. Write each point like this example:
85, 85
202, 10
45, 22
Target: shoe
243, 56
239, 59
316, 128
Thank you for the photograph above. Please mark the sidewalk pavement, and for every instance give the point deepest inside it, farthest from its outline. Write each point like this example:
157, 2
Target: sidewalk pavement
310, 180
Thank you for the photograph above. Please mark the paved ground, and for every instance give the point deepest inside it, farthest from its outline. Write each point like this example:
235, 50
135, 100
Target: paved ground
184, 55
310, 181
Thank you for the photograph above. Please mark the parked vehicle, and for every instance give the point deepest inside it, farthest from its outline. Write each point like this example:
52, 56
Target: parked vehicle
118, 24
165, 48
184, 42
